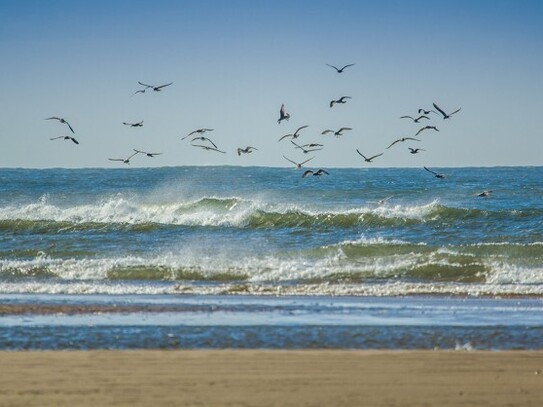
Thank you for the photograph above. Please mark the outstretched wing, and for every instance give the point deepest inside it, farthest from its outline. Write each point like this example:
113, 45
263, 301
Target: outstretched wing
288, 159
144, 84
375, 156
74, 140
456, 111
306, 161
363, 156
430, 171
332, 66
306, 173
439, 110
346, 66
163, 86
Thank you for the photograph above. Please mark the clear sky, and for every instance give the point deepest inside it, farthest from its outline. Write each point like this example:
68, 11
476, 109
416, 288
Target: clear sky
233, 63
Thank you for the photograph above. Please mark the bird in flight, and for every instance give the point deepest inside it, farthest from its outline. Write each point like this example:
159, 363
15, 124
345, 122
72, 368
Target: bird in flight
65, 138
295, 134
198, 131
307, 150
124, 160
204, 138
368, 159
282, 114
155, 88
146, 153
336, 133
340, 70
401, 140
445, 115
138, 124
484, 193
60, 119
415, 150
317, 173
208, 148
426, 112
415, 119
341, 100
246, 150
298, 165
437, 175
426, 128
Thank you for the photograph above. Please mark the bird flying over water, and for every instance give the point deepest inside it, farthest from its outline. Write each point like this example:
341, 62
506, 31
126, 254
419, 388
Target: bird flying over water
146, 153
445, 115
415, 119
155, 88
336, 133
246, 150
298, 165
295, 134
341, 100
437, 175
317, 173
65, 138
426, 128
340, 70
282, 114
198, 131
305, 150
124, 160
208, 148
60, 119
138, 124
368, 159
401, 140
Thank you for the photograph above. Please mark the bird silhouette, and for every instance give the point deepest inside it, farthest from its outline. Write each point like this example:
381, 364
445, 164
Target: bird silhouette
415, 119
138, 124
298, 165
426, 112
426, 128
208, 148
484, 193
246, 150
340, 70
295, 134
317, 173
146, 153
124, 160
204, 138
197, 131
401, 140
305, 150
338, 132
155, 88
341, 100
415, 150
445, 115
65, 138
437, 175
60, 119
283, 115
368, 159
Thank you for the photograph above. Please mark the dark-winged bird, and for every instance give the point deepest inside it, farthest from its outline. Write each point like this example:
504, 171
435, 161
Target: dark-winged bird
415, 150
368, 159
155, 88
282, 114
317, 173
445, 115
138, 124
340, 70
246, 150
341, 100
437, 175
65, 138
415, 119
295, 134
426, 128
401, 140
124, 160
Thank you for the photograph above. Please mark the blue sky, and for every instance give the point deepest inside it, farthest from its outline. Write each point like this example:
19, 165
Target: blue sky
234, 62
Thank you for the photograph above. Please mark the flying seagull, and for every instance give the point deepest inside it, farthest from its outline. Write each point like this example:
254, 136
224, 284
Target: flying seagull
146, 153
208, 148
198, 131
415, 150
306, 150
246, 150
317, 173
298, 165
203, 138
138, 124
426, 128
295, 134
282, 114
155, 88
415, 119
124, 160
340, 100
445, 115
441, 176
60, 119
401, 140
336, 133
368, 159
65, 138
340, 70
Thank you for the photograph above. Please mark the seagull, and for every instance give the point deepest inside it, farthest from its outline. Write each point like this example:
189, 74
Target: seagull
139, 124
445, 115
484, 193
426, 128
417, 119
203, 138
368, 159
124, 160
147, 154
305, 151
208, 148
384, 200
295, 134
401, 140
336, 133
60, 119
426, 112
66, 138
282, 114
198, 131
340, 70
317, 173
298, 165
441, 176
340, 100
415, 150
155, 88
246, 150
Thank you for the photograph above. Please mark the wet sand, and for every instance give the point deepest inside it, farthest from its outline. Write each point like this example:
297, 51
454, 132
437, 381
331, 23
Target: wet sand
271, 378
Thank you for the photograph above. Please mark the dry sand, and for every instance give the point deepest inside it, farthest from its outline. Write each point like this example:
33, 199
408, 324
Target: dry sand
271, 378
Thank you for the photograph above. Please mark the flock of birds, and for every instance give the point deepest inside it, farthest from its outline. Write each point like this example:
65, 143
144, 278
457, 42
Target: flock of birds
199, 139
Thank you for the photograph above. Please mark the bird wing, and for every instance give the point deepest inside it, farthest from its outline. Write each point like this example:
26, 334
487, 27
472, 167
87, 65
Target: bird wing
131, 156
306, 161
70, 127
343, 129
410, 138
301, 128
336, 68
116, 159
342, 99
430, 171
363, 156
163, 86
144, 84
422, 117
394, 142
346, 66
286, 135
327, 131
139, 91
420, 131
208, 139
321, 171
375, 156
407, 117
53, 117
74, 140
139, 151
456, 111
288, 159
55, 138
297, 145
306, 173
439, 110
332, 103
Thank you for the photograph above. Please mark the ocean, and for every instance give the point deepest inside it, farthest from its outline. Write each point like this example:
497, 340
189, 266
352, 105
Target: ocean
262, 257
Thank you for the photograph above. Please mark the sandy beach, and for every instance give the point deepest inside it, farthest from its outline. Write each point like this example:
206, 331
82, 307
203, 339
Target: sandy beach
271, 378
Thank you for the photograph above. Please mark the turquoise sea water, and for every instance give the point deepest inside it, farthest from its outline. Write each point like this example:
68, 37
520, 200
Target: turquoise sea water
210, 232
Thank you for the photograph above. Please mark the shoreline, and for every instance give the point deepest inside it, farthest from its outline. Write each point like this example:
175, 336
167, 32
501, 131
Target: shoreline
271, 378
